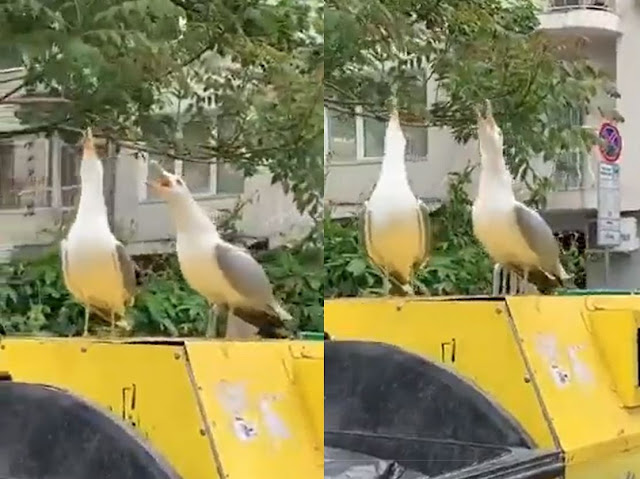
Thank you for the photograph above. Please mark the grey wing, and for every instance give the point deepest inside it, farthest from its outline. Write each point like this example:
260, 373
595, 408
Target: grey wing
362, 228
65, 265
244, 273
365, 234
424, 220
538, 236
127, 269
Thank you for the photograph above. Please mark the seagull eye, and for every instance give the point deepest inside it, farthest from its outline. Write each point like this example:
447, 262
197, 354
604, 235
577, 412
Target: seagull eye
165, 182
179, 181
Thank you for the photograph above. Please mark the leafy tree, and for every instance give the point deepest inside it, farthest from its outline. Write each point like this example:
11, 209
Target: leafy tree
473, 50
236, 81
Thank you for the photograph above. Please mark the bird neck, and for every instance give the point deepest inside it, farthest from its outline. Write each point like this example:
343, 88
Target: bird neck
495, 177
394, 169
91, 207
189, 216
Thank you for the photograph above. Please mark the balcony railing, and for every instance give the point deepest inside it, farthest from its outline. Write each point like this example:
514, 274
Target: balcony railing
563, 5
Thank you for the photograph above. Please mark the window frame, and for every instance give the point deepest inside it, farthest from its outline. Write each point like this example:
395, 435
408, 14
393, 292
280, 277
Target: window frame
360, 158
48, 189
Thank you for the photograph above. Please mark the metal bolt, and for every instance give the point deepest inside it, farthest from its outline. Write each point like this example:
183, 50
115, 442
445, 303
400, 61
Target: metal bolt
177, 356
83, 350
527, 379
202, 432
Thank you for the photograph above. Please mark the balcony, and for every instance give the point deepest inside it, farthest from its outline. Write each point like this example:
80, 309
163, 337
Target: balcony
589, 18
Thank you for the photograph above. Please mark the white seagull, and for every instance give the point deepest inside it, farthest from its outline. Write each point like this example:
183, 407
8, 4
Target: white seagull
96, 268
395, 225
226, 275
513, 234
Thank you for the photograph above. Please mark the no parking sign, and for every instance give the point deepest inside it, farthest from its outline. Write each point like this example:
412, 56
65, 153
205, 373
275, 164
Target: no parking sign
610, 144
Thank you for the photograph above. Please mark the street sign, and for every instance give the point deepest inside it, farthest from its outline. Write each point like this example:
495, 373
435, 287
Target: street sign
610, 144
609, 204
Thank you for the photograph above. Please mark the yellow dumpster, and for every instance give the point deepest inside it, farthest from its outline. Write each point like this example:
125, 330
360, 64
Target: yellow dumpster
161, 408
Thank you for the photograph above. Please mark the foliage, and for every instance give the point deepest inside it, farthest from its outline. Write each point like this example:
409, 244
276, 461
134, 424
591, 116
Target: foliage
469, 50
33, 298
236, 81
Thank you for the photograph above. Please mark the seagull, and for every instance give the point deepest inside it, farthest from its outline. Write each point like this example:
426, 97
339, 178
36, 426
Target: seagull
395, 225
225, 274
513, 234
96, 268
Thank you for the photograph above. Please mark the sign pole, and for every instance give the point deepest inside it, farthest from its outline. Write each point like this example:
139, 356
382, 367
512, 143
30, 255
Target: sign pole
609, 218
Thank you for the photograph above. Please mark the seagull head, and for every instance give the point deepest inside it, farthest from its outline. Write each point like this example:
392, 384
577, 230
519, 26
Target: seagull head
489, 133
90, 166
166, 185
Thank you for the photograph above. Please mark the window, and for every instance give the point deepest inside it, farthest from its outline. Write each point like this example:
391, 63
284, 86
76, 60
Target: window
204, 177
9, 57
342, 137
24, 178
568, 165
70, 157
358, 138
8, 196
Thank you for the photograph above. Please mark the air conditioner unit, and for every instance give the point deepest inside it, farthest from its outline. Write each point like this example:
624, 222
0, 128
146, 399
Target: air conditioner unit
628, 235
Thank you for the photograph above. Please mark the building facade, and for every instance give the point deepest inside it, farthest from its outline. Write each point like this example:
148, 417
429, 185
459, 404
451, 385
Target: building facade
612, 31
39, 188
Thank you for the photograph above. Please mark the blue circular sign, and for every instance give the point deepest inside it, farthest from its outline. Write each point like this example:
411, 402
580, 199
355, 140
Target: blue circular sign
610, 142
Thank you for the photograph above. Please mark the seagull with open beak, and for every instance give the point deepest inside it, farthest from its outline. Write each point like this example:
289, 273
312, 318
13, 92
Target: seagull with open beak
226, 275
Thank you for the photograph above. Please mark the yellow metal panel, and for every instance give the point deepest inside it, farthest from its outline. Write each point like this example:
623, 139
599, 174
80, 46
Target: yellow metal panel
308, 373
574, 382
256, 411
616, 336
165, 408
486, 350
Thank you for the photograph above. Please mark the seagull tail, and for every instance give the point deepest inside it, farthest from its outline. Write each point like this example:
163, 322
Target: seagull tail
282, 313
274, 322
562, 274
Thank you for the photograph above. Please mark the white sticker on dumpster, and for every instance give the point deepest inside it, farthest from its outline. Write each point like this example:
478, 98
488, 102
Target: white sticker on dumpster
547, 347
245, 430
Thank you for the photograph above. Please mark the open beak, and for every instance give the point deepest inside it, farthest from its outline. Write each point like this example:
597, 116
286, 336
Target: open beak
479, 116
159, 178
488, 109
88, 147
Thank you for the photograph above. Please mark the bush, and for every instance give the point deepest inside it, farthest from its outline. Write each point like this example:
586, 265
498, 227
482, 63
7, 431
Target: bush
34, 299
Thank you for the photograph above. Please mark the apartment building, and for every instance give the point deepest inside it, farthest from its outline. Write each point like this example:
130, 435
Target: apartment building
612, 28
39, 187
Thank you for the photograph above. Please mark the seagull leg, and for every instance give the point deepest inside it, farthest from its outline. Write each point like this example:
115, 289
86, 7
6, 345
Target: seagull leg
525, 281
212, 323
513, 284
86, 321
497, 280
386, 287
504, 280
